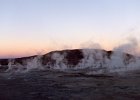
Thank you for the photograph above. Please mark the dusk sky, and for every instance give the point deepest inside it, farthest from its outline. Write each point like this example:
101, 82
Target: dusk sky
32, 26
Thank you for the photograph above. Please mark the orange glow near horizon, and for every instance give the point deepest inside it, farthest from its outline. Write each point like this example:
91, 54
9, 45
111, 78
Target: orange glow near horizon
20, 51
28, 48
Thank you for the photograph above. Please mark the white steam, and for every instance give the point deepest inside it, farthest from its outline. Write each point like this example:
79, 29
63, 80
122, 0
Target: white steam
98, 61
95, 60
59, 61
34, 63
130, 47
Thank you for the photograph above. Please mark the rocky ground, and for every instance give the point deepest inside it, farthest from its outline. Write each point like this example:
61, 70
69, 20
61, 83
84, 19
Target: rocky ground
56, 85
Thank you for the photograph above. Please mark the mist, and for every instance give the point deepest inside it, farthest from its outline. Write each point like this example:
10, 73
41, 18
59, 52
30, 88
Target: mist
131, 46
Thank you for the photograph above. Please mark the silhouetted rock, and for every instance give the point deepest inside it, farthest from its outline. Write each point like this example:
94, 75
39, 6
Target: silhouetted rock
69, 57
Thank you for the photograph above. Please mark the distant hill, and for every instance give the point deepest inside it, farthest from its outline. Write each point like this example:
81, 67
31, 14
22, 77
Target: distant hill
69, 57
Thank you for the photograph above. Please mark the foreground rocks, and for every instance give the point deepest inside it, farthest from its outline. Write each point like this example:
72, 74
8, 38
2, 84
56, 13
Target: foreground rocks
56, 85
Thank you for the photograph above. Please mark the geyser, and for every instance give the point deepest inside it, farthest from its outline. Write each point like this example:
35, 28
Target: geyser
95, 60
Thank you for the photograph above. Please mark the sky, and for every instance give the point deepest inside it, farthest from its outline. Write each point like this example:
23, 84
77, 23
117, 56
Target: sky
30, 27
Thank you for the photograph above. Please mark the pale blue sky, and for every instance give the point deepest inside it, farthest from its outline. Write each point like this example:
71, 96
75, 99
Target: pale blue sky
45, 24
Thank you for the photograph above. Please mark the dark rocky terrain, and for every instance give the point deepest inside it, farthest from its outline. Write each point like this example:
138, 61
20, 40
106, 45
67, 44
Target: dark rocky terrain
71, 57
55, 84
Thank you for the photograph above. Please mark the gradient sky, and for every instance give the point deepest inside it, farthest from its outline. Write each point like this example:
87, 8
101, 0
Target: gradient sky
32, 26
